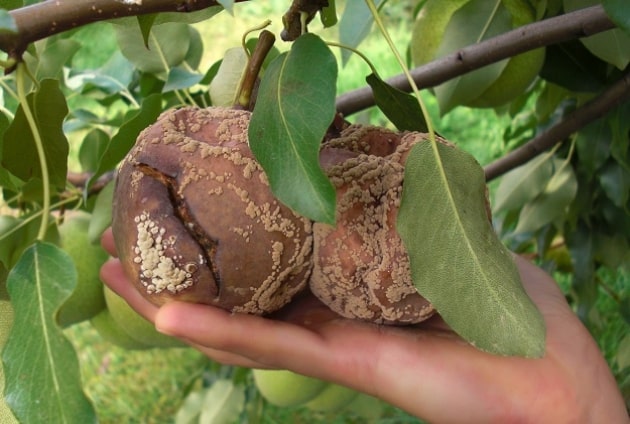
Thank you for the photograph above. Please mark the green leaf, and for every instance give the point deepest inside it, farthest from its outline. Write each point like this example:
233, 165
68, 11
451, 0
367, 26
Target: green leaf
102, 213
180, 79
552, 202
572, 66
401, 108
612, 46
145, 23
457, 260
223, 403
475, 21
328, 14
55, 56
6, 179
226, 82
7, 23
295, 106
43, 382
19, 153
593, 145
523, 184
135, 121
620, 127
92, 148
228, 5
619, 13
168, 45
615, 181
354, 26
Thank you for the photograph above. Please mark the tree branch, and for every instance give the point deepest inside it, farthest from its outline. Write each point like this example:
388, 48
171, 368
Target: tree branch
52, 17
581, 23
613, 96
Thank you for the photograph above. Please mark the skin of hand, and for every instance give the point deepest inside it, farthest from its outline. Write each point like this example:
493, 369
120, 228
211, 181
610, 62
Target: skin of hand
426, 370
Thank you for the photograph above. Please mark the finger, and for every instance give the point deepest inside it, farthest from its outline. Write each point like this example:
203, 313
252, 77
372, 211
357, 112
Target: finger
113, 275
107, 241
259, 339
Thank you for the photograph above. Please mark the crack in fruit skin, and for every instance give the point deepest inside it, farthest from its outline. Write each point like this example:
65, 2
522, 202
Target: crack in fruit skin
207, 244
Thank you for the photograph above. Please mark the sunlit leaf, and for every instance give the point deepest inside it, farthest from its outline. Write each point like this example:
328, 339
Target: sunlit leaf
190, 410
475, 21
223, 403
43, 383
402, 109
457, 260
226, 82
54, 57
125, 138
19, 154
295, 106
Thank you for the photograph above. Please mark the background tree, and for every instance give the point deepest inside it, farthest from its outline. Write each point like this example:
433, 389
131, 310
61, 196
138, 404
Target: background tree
556, 69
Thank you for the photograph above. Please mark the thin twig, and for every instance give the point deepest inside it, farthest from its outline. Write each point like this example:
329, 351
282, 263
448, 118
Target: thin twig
581, 23
597, 107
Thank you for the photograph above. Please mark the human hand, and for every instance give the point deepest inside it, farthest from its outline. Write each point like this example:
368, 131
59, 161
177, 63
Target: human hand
425, 369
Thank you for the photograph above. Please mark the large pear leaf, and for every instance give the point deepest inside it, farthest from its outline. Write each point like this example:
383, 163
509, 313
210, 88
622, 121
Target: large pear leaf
295, 106
401, 108
43, 382
19, 152
475, 21
457, 261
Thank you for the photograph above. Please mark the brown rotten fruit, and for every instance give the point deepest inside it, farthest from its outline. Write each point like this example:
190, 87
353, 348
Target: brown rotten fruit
195, 220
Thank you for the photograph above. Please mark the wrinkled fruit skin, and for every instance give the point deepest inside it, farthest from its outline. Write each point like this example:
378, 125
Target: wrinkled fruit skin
194, 220
361, 268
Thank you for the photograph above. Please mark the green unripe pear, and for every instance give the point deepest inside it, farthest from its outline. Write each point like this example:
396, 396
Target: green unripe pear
87, 299
332, 399
367, 407
285, 388
135, 325
109, 330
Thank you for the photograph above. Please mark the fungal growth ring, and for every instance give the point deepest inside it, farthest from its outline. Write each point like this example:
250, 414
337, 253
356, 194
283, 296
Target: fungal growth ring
194, 220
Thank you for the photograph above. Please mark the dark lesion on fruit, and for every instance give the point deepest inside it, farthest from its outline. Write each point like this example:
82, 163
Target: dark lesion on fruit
209, 246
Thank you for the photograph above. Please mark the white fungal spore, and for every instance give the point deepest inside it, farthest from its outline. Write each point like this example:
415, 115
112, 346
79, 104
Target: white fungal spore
158, 272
